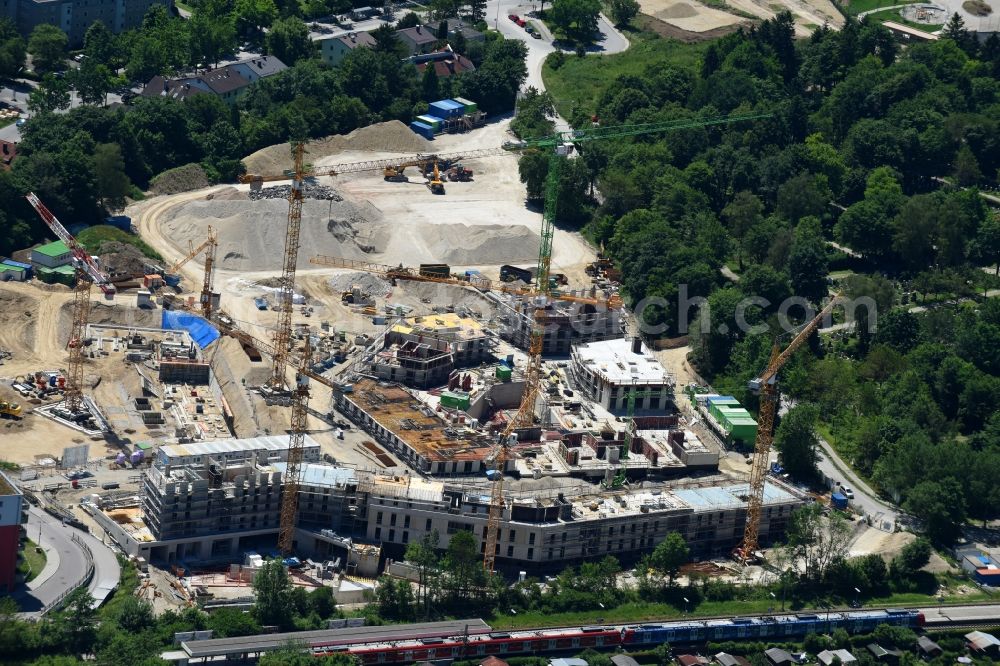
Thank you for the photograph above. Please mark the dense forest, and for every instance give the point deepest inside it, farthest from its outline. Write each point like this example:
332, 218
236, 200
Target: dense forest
87, 160
863, 179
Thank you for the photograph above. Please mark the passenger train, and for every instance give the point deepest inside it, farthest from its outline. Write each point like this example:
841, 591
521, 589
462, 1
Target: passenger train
686, 632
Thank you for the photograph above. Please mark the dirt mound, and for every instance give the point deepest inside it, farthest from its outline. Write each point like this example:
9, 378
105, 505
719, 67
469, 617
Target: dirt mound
227, 194
392, 136
369, 284
120, 259
321, 192
107, 314
181, 179
17, 335
977, 7
680, 10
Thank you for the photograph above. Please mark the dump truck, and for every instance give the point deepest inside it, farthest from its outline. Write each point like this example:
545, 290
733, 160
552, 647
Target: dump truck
10, 410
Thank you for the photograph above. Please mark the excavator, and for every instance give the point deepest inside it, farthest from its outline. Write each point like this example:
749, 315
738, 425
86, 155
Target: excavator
396, 173
435, 184
10, 410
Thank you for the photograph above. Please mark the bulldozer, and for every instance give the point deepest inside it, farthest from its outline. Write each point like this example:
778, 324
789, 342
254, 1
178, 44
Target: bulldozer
434, 182
10, 409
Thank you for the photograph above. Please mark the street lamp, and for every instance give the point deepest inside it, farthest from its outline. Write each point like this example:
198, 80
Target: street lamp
857, 599
771, 607
686, 605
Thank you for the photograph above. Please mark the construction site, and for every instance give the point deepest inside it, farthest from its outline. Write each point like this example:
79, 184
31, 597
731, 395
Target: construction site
427, 354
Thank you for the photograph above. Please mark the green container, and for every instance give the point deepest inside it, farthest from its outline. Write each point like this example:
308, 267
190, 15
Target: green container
470, 107
503, 373
455, 399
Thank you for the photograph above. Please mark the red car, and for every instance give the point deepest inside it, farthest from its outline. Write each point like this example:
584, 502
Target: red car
520, 22
514, 17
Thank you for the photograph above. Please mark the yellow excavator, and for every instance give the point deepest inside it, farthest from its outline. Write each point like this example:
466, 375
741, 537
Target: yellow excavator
434, 183
10, 409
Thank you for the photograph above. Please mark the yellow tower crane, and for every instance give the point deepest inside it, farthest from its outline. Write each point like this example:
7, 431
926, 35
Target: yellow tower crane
766, 385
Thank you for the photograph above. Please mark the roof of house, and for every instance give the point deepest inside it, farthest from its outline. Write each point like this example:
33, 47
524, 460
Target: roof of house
53, 249
9, 267
878, 651
491, 660
467, 32
448, 64
980, 640
418, 34
567, 661
828, 656
8, 151
355, 39
726, 659
264, 66
690, 660
224, 80
623, 660
778, 656
927, 645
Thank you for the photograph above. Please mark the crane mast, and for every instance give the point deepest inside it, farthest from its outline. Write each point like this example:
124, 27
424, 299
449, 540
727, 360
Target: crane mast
87, 273
283, 331
767, 386
212, 244
296, 441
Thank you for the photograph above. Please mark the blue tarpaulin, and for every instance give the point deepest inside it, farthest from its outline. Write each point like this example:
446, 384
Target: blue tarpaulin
200, 330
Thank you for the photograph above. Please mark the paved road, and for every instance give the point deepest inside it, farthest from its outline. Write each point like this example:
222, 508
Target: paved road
960, 613
72, 558
883, 514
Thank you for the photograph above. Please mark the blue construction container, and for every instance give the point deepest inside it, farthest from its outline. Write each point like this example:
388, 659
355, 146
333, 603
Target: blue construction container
838, 501
171, 280
28, 268
446, 109
422, 129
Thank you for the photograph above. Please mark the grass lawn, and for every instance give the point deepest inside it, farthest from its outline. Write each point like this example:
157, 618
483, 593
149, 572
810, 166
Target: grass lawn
95, 237
855, 7
4, 122
33, 562
579, 82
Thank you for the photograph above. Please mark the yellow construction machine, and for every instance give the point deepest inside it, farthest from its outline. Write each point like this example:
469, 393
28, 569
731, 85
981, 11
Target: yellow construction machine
10, 409
434, 182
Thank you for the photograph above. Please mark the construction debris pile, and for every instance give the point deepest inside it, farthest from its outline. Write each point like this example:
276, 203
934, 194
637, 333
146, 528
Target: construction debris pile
321, 192
123, 260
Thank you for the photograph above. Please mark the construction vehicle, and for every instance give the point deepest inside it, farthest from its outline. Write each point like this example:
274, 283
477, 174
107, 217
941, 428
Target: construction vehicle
766, 385
10, 410
434, 183
395, 273
459, 174
87, 273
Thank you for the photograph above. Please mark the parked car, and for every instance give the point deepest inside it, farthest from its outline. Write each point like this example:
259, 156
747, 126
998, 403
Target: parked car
529, 28
514, 17
848, 493
536, 34
520, 22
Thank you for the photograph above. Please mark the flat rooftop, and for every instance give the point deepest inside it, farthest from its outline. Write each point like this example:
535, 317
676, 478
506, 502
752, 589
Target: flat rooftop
447, 325
615, 361
416, 424
320, 476
264, 443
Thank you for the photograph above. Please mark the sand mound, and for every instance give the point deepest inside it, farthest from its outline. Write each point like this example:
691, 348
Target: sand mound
252, 233
392, 136
18, 332
368, 283
232, 369
680, 10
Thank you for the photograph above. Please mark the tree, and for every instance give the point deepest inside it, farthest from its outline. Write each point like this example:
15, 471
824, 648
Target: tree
289, 41
669, 555
50, 95
987, 243
133, 615
463, 567
93, 81
913, 557
817, 540
430, 89
252, 16
273, 589
807, 261
296, 654
109, 171
533, 168
47, 46
966, 167
423, 554
322, 603
623, 11
577, 19
796, 441
99, 44
12, 49
442, 29
226, 622
802, 196
477, 10
743, 213
941, 506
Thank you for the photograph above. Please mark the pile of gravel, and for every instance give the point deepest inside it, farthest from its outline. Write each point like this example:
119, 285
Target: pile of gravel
321, 192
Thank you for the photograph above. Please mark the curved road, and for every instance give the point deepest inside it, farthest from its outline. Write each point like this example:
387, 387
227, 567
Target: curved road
70, 559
